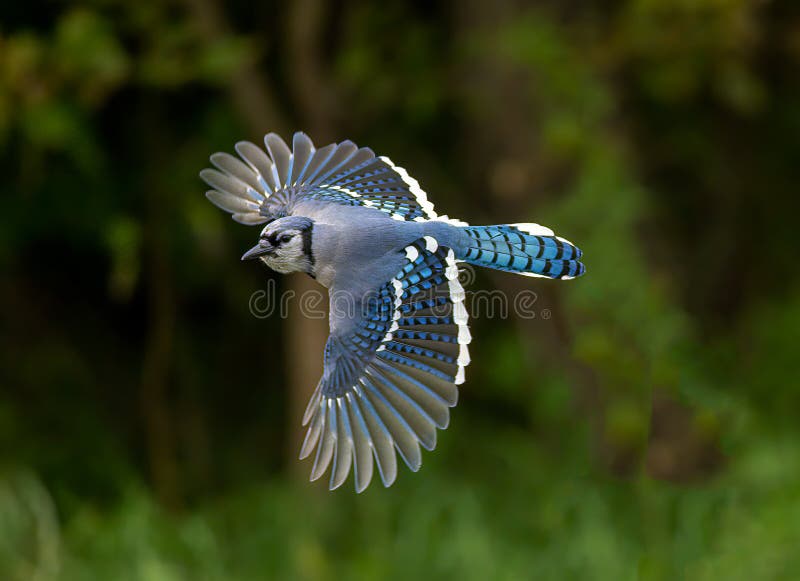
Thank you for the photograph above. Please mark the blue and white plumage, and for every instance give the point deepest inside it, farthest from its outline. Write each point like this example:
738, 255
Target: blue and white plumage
398, 340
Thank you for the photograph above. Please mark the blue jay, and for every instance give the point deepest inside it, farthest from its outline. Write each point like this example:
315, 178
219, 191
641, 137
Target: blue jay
363, 228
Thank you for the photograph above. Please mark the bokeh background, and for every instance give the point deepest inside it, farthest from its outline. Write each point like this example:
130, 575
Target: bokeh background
644, 424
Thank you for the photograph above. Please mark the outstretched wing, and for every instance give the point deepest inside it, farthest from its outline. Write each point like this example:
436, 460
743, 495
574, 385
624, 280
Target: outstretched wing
391, 378
262, 186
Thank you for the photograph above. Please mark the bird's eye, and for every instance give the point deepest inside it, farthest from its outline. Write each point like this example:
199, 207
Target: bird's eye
285, 238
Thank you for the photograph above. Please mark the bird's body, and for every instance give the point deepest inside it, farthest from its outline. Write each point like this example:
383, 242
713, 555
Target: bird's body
352, 245
398, 326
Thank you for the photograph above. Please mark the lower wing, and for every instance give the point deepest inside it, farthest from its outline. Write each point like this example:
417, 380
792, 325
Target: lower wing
390, 380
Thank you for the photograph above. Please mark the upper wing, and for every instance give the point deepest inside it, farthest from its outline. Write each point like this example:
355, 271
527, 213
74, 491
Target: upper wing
264, 187
391, 378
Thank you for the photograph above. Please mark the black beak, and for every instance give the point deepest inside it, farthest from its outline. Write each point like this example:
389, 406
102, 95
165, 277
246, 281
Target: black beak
258, 250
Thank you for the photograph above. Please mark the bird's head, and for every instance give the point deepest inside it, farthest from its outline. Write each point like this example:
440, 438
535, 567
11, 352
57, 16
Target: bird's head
285, 245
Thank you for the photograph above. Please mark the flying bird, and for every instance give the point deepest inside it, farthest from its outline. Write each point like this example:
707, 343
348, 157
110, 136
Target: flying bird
364, 229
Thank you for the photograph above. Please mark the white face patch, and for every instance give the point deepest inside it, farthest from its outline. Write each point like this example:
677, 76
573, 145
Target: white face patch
289, 255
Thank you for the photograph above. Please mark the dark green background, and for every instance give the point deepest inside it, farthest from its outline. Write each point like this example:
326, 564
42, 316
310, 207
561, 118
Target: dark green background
648, 428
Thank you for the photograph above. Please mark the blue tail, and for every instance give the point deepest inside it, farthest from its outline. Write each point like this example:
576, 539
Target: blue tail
527, 249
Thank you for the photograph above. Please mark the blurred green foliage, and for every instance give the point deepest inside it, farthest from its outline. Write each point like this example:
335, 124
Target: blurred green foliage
645, 428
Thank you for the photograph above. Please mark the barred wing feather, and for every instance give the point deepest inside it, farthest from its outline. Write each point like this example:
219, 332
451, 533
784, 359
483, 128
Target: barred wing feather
390, 381
264, 183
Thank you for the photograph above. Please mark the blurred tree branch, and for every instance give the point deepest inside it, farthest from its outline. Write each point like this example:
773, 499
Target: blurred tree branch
159, 342
306, 336
248, 87
258, 106
310, 85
